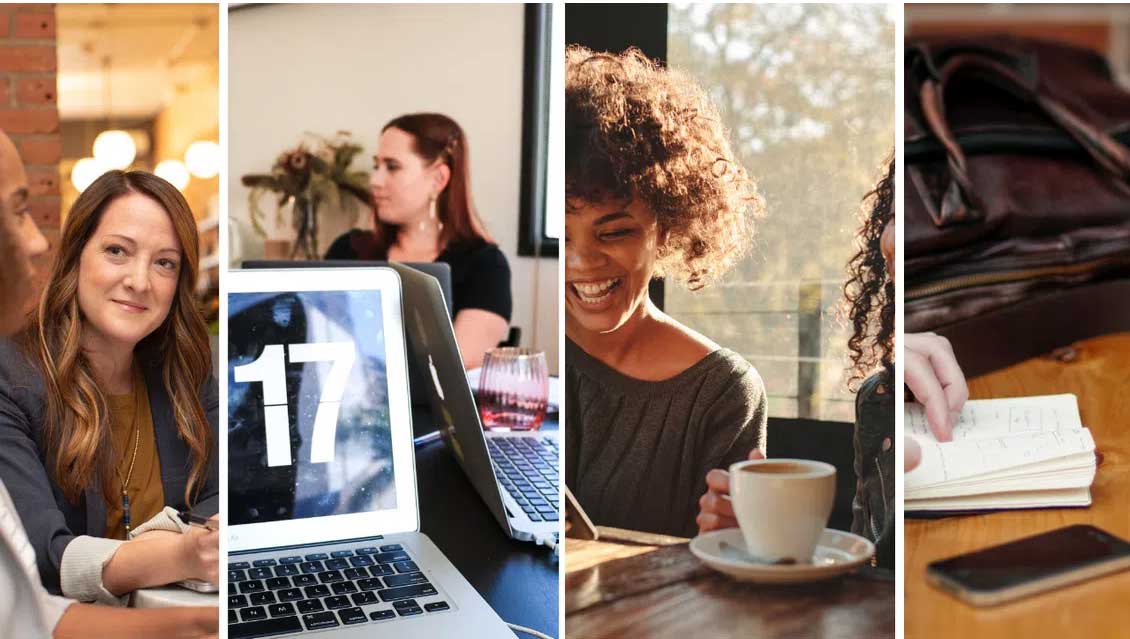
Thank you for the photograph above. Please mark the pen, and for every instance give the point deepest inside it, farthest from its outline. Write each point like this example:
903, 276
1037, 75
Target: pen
197, 520
426, 439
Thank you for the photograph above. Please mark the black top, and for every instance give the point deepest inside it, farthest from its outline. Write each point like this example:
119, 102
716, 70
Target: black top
637, 452
50, 520
480, 275
873, 510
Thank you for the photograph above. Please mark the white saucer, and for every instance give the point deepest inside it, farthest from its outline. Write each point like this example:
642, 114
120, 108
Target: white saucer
837, 552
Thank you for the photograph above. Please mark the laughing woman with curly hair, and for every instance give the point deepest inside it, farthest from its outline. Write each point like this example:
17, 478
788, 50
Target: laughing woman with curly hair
653, 189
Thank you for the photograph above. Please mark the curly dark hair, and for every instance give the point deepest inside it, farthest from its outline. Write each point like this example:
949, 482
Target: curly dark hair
869, 292
637, 131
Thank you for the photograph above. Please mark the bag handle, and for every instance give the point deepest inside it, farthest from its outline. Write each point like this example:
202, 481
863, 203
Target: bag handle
959, 202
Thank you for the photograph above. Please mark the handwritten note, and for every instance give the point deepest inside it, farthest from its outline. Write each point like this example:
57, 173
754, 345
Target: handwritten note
988, 418
957, 460
1014, 447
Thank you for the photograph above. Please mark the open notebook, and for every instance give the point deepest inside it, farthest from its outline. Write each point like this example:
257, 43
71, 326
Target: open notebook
1023, 452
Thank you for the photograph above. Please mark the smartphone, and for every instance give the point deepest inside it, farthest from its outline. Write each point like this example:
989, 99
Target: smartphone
198, 585
579, 524
1030, 566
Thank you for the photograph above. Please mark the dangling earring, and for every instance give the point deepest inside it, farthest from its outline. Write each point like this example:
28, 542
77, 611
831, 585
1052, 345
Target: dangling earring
423, 224
432, 215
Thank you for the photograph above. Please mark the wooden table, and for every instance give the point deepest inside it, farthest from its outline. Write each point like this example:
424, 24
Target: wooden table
1097, 371
632, 584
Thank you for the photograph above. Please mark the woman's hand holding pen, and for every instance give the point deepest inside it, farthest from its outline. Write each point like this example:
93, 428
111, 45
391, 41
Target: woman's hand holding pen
200, 550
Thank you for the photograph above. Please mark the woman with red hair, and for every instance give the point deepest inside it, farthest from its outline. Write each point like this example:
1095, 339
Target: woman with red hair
421, 189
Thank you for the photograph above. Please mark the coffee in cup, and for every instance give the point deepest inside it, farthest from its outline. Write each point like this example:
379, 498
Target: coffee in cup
782, 506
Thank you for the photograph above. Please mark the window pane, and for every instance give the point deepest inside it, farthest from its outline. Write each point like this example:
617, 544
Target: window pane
553, 216
807, 93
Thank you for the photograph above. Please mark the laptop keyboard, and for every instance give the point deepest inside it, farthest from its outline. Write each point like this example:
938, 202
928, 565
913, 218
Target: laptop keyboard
291, 593
527, 468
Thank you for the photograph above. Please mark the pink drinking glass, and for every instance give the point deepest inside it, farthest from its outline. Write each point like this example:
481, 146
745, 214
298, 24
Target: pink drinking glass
513, 389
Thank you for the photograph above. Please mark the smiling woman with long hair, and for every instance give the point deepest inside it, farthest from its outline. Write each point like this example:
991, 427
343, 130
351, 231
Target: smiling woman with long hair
107, 406
27, 609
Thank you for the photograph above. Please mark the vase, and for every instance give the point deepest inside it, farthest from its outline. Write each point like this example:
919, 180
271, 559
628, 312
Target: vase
276, 249
305, 219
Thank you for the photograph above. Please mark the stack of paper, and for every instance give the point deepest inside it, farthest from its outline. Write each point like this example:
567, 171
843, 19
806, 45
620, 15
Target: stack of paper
1025, 452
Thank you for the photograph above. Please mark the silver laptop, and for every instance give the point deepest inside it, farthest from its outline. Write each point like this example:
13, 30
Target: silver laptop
516, 473
439, 270
324, 528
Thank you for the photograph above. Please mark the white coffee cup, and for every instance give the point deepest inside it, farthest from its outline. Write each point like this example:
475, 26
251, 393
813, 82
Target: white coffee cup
782, 506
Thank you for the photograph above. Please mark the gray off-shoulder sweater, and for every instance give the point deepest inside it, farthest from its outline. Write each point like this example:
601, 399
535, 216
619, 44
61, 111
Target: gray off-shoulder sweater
637, 452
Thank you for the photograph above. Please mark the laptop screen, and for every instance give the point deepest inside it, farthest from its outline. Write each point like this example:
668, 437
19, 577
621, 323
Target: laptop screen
309, 432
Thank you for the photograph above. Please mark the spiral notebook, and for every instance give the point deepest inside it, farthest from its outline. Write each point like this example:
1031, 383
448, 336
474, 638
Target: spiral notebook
1022, 452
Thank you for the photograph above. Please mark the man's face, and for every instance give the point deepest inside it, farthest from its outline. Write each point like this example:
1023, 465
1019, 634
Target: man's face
20, 241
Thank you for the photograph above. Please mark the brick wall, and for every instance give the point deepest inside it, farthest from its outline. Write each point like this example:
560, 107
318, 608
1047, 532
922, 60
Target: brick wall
29, 111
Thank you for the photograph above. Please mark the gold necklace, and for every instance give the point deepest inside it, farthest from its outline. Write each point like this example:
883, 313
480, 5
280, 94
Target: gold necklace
133, 460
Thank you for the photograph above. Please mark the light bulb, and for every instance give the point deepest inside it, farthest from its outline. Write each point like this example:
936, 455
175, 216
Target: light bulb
114, 149
203, 159
85, 172
173, 172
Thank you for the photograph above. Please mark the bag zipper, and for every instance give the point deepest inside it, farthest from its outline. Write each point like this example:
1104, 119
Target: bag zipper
871, 515
926, 148
1003, 277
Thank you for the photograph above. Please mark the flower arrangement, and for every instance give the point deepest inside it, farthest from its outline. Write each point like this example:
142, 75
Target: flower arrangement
308, 177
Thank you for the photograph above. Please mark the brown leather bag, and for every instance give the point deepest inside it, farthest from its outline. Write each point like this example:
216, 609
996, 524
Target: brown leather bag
1017, 193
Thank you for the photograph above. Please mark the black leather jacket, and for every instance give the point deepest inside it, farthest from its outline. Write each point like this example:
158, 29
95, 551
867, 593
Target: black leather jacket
873, 511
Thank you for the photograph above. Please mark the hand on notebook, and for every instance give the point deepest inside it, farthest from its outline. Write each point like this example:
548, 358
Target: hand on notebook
911, 455
714, 508
936, 380
200, 549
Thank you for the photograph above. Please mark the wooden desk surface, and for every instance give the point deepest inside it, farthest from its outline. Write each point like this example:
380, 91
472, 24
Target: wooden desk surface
632, 584
1097, 371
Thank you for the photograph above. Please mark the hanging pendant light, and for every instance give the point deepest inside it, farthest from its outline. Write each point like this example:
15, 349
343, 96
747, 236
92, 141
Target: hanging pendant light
114, 149
203, 159
173, 172
84, 172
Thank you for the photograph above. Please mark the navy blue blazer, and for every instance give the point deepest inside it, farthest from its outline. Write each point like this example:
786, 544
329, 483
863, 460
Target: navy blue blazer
50, 520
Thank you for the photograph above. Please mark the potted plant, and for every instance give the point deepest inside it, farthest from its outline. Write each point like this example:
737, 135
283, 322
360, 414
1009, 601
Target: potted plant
306, 178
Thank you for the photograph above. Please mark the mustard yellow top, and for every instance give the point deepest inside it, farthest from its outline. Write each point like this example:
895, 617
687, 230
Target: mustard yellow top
146, 494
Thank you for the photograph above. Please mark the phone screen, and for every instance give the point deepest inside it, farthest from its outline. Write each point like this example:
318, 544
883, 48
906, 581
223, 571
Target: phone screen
1032, 558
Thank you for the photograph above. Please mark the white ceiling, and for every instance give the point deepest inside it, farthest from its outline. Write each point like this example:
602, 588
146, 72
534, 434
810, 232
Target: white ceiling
152, 48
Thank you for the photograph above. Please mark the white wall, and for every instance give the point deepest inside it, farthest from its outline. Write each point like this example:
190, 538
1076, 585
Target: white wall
297, 68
